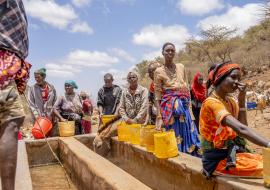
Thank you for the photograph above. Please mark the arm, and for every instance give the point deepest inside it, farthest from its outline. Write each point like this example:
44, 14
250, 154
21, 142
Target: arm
245, 131
158, 90
31, 100
100, 102
118, 102
122, 110
144, 107
56, 109
242, 117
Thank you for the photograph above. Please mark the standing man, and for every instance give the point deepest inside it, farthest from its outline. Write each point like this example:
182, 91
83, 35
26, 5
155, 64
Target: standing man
14, 72
42, 95
109, 97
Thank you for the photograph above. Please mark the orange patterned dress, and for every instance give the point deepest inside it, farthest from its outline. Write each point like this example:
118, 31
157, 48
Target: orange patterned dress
215, 136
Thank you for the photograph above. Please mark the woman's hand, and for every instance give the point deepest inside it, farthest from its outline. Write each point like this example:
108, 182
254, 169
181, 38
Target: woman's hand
159, 123
242, 91
130, 121
62, 119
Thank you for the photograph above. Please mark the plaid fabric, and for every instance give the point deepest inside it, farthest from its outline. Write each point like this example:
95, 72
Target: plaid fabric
168, 100
13, 27
12, 68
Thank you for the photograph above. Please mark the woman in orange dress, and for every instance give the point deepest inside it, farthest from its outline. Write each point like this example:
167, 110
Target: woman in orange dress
223, 127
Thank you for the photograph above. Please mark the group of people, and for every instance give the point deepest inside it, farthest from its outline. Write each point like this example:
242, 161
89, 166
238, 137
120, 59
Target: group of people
170, 103
71, 106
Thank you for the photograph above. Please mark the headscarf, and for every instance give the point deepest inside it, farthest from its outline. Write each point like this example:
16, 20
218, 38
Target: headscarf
198, 90
220, 71
72, 83
41, 71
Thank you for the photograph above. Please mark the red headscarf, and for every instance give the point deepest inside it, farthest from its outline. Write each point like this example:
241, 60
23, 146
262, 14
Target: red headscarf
220, 71
198, 90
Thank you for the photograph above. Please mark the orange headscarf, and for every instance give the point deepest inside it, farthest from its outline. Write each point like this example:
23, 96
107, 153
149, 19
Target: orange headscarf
220, 71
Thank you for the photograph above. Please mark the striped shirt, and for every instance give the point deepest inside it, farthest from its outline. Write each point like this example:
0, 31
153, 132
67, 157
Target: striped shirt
13, 27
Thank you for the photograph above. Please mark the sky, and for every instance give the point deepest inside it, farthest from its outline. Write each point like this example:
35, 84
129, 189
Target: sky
82, 40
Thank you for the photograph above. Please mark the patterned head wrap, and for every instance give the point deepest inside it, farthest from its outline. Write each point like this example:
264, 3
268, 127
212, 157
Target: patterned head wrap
221, 71
72, 83
41, 71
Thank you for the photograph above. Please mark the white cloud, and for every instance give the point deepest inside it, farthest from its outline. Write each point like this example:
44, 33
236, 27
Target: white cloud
62, 71
157, 35
59, 16
81, 27
90, 58
122, 54
80, 3
236, 17
152, 55
76, 61
199, 7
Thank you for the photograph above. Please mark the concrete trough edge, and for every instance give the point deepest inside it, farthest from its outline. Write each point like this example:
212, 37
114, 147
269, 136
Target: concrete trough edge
90, 171
193, 166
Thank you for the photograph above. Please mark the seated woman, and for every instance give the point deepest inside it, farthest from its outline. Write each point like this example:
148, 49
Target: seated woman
69, 106
134, 101
173, 103
223, 125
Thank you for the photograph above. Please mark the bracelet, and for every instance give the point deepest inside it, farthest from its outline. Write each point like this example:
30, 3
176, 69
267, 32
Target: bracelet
242, 109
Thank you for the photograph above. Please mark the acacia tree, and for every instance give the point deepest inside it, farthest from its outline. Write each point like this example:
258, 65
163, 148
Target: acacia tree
215, 45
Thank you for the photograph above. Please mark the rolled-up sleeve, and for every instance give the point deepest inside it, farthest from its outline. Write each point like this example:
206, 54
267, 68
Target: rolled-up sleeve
122, 107
100, 101
142, 114
158, 85
58, 103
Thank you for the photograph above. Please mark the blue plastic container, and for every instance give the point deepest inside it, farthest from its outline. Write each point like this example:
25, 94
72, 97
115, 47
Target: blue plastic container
251, 105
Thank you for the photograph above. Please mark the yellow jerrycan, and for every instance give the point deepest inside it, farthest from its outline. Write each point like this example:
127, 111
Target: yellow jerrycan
165, 144
148, 137
134, 133
106, 118
266, 167
123, 132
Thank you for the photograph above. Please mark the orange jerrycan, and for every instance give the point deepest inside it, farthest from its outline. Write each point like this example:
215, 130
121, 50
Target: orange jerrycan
42, 124
266, 167
66, 128
135, 133
123, 132
165, 144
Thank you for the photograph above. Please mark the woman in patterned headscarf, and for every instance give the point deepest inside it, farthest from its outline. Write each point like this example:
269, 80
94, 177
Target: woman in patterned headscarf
69, 106
223, 121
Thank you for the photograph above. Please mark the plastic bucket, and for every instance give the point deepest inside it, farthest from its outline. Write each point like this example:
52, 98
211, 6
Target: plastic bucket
134, 133
251, 105
41, 124
266, 167
147, 137
123, 132
107, 118
165, 145
66, 128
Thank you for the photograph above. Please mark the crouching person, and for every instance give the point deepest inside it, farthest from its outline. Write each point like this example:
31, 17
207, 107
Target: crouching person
108, 104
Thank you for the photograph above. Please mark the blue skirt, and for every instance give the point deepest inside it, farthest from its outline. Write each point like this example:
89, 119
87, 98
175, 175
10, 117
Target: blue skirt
185, 129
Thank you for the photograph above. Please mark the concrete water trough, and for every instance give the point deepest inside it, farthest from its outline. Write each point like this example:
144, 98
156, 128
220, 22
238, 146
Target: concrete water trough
128, 167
